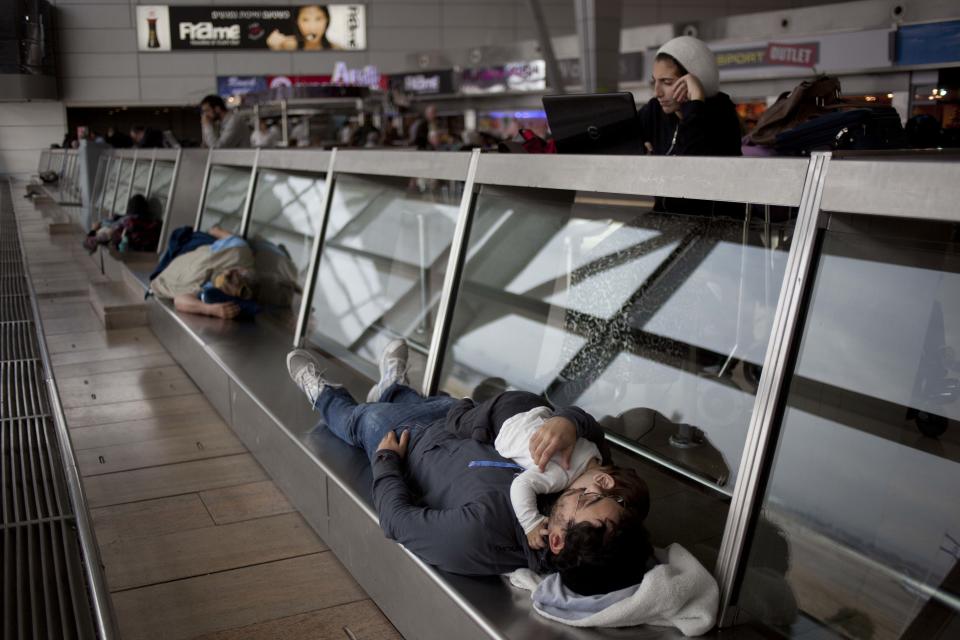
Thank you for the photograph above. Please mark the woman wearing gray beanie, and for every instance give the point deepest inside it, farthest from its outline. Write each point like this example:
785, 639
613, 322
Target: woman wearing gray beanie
688, 114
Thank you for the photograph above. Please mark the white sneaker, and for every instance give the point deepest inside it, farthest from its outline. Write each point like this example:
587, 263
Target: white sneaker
393, 368
304, 369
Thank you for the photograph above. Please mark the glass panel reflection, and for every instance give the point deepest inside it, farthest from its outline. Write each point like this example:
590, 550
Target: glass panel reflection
609, 305
141, 173
286, 211
225, 198
382, 267
111, 187
123, 188
100, 181
160, 188
861, 514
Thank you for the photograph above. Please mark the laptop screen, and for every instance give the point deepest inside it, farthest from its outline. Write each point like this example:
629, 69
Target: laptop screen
594, 123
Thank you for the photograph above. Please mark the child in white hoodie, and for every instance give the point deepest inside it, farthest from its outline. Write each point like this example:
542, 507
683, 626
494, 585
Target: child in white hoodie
585, 472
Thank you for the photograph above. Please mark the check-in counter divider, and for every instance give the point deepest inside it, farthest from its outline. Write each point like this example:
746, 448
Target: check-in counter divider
240, 367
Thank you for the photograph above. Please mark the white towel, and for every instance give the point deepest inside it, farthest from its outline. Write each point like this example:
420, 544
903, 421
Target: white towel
679, 593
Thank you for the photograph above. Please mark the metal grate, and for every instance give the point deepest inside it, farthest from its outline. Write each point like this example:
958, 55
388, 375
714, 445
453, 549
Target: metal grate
13, 285
33, 487
15, 308
17, 341
23, 389
42, 567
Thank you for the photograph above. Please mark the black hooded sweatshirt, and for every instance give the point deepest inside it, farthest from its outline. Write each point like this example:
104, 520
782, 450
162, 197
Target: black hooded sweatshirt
709, 127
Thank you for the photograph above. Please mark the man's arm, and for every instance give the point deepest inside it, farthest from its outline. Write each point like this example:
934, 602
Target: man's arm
234, 133
189, 303
482, 422
451, 539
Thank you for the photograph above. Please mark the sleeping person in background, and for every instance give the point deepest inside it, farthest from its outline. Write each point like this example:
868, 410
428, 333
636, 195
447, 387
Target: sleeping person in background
579, 470
221, 275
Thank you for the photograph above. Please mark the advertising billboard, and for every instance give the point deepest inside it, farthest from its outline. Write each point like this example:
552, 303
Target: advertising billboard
309, 27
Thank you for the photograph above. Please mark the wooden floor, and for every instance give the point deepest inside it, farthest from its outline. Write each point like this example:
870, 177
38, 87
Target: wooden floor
195, 539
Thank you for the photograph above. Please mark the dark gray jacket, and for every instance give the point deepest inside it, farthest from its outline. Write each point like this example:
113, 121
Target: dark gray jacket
457, 517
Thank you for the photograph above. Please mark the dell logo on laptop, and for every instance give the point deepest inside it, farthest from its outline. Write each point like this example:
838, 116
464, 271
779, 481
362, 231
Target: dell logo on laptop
594, 132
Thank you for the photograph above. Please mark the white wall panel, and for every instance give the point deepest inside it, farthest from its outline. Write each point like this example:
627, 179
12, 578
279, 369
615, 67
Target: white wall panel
96, 41
94, 16
404, 14
178, 90
20, 114
253, 64
177, 64
93, 65
403, 38
104, 91
19, 138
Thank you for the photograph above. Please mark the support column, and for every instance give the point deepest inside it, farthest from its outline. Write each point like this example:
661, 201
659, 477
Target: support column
554, 78
598, 27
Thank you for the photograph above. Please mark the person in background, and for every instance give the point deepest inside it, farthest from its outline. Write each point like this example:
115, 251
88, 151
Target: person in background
146, 138
118, 139
420, 129
265, 135
688, 114
222, 129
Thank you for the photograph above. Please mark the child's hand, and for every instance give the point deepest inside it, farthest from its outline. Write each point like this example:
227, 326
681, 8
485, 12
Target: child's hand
536, 536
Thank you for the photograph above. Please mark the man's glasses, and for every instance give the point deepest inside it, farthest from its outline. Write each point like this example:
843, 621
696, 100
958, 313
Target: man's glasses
589, 498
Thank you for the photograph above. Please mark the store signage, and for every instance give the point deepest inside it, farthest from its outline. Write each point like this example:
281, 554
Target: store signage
837, 53
310, 27
513, 76
368, 76
932, 43
240, 85
276, 82
805, 54
423, 82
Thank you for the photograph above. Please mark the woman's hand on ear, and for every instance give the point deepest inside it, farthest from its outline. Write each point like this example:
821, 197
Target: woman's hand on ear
688, 88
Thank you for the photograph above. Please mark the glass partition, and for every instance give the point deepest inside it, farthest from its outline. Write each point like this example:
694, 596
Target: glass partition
160, 187
123, 188
859, 533
100, 180
226, 197
286, 211
141, 174
655, 323
113, 172
382, 268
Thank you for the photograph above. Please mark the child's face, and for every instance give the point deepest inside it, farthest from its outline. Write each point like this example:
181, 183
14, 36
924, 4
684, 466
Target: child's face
312, 23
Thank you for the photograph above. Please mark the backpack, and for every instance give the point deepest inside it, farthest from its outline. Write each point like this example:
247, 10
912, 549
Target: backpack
807, 100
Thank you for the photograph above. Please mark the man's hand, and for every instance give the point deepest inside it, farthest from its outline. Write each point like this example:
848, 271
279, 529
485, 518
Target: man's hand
206, 120
557, 435
536, 536
688, 88
390, 443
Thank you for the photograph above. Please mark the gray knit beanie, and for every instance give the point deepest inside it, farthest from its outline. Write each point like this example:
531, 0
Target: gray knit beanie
696, 58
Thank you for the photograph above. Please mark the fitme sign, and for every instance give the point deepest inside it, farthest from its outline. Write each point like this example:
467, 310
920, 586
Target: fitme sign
309, 27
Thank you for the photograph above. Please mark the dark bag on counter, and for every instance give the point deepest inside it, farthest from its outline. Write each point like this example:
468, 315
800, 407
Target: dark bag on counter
807, 100
871, 128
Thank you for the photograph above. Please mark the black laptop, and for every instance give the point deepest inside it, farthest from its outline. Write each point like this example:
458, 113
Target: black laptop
604, 123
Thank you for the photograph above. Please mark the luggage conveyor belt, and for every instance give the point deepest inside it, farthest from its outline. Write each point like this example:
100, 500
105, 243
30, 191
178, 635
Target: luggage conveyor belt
51, 579
193, 540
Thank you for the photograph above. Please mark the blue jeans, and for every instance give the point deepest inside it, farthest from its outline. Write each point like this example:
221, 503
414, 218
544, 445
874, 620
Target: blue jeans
365, 425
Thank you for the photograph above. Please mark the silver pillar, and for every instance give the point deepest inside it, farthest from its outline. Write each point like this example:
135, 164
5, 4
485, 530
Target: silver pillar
598, 27
554, 77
